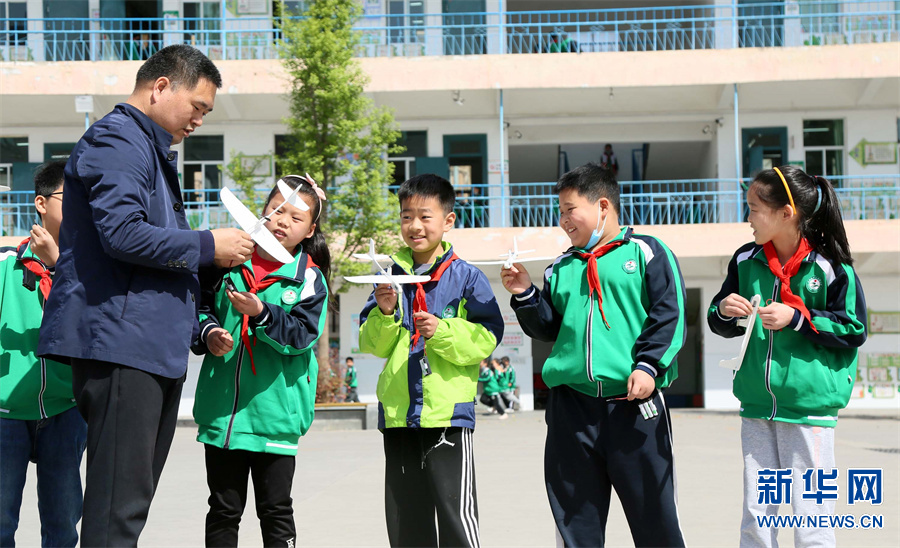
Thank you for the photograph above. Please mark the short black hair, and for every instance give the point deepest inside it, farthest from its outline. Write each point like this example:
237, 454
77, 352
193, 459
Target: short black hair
429, 185
592, 181
181, 64
49, 177
349, 359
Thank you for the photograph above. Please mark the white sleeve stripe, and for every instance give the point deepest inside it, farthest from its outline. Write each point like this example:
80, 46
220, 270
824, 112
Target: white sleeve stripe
645, 249
526, 296
826, 267
206, 330
309, 284
650, 367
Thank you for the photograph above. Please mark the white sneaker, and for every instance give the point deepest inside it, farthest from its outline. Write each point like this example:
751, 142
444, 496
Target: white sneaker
504, 416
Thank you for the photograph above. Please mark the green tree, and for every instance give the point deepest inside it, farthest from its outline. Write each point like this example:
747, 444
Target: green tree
242, 169
338, 135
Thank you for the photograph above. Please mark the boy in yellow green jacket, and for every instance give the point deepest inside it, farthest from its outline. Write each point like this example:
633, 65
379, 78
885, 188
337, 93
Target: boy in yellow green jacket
433, 335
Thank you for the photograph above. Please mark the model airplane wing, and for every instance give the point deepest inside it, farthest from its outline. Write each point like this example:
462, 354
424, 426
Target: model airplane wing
252, 226
517, 260
292, 196
735, 363
365, 257
4, 188
372, 256
382, 279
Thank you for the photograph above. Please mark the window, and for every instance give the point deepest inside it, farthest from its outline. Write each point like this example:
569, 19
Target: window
57, 151
291, 7
820, 17
406, 21
416, 143
282, 145
12, 33
12, 150
203, 22
203, 158
823, 141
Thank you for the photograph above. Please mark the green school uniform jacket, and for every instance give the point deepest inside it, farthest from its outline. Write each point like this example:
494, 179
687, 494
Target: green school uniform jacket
31, 388
796, 375
266, 412
508, 380
491, 380
643, 299
415, 392
351, 377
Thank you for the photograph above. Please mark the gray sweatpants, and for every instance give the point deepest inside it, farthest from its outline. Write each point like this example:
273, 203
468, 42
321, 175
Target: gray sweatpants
772, 445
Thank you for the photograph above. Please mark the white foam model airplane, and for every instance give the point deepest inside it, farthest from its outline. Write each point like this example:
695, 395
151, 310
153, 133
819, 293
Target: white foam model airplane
735, 363
256, 228
512, 256
4, 188
383, 276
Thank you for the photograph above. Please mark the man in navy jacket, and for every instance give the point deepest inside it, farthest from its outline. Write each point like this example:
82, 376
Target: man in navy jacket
123, 309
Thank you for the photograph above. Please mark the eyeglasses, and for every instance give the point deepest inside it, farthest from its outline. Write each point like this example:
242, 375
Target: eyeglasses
52, 194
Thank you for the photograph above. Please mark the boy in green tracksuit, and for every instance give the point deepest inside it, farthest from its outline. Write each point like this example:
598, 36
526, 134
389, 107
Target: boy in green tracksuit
257, 388
433, 335
613, 307
351, 382
39, 419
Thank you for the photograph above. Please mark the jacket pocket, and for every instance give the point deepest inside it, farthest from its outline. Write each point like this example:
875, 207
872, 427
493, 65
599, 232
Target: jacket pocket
805, 381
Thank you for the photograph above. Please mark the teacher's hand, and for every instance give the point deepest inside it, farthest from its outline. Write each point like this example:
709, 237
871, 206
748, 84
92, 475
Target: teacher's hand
233, 246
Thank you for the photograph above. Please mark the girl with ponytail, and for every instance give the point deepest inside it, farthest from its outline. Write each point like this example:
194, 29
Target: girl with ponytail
800, 364
257, 388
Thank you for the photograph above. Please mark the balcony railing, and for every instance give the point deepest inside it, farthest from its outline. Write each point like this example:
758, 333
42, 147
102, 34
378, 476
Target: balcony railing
773, 24
535, 205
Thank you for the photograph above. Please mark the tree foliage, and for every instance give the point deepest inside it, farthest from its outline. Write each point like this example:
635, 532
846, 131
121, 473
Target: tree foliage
337, 134
242, 169
339, 137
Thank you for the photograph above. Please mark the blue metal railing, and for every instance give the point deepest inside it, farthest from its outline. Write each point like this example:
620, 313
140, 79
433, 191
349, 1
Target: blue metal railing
771, 24
535, 205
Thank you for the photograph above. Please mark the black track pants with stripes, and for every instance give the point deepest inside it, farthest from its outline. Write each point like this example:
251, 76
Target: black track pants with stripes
594, 446
428, 471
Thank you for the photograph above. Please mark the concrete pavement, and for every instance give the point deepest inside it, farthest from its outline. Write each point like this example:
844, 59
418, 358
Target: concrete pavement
338, 487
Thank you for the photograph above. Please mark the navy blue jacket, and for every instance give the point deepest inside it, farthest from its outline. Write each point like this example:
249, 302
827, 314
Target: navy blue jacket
125, 289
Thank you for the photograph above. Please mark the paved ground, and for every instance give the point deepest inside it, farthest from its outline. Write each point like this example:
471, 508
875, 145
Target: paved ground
339, 481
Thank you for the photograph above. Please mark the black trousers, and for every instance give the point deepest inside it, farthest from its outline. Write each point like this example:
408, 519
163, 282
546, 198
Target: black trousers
131, 417
428, 471
594, 446
227, 472
493, 401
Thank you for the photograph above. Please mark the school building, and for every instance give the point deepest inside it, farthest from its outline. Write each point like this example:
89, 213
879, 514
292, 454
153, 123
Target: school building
503, 96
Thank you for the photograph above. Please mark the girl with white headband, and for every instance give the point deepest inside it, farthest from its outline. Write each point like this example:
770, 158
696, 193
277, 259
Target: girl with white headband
257, 388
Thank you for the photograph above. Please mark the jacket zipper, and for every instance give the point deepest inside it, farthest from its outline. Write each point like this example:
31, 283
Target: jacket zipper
237, 394
769, 361
43, 389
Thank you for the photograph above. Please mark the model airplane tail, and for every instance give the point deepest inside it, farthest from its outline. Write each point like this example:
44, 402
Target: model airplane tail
256, 228
735, 363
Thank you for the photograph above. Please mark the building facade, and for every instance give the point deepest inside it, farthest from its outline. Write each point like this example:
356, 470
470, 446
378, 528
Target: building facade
502, 96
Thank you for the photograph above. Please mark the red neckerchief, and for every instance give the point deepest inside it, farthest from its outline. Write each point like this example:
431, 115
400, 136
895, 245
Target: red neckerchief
254, 287
593, 276
784, 274
39, 269
419, 302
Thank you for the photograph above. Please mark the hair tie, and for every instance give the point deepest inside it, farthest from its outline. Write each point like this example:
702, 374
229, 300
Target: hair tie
320, 194
787, 188
815, 179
